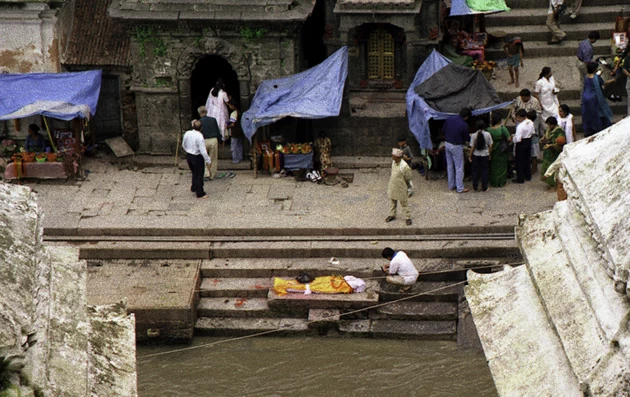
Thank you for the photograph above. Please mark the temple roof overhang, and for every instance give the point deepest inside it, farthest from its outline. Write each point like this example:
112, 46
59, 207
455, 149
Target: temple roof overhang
212, 10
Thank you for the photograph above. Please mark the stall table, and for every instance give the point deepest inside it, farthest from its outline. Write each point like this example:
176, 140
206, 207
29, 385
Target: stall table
294, 162
48, 170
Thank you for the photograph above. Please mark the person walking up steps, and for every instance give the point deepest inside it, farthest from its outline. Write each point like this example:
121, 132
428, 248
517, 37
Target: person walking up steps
514, 49
553, 24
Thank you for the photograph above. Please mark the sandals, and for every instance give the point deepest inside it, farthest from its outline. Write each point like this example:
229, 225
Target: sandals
390, 218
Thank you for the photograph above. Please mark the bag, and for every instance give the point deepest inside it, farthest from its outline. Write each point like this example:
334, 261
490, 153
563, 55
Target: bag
561, 10
304, 278
504, 146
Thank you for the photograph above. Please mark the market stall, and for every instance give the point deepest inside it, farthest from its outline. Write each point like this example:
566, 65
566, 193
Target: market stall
313, 94
440, 89
70, 97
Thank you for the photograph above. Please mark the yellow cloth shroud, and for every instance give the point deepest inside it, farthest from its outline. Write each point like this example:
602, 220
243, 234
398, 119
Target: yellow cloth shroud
321, 285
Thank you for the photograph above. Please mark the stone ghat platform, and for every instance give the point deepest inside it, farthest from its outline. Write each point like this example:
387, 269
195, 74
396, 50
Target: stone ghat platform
175, 299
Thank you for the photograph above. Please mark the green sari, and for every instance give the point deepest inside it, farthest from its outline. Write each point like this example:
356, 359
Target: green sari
499, 160
551, 153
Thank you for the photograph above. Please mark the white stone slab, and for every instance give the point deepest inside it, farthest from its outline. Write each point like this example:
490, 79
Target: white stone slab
524, 354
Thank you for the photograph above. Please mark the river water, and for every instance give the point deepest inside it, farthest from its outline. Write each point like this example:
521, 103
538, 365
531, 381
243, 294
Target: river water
314, 367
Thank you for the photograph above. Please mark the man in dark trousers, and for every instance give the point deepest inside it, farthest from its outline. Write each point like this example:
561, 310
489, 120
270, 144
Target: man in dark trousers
211, 133
195, 147
456, 135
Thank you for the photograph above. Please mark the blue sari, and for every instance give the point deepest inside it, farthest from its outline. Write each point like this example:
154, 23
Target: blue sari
596, 113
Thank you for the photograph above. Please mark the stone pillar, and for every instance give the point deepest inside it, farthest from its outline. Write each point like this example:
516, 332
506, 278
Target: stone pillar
158, 123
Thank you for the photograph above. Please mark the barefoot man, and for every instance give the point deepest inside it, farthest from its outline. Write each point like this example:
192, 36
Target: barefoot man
400, 268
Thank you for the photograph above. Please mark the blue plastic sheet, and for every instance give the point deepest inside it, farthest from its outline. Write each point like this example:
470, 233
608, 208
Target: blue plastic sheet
294, 162
419, 113
63, 96
460, 7
313, 94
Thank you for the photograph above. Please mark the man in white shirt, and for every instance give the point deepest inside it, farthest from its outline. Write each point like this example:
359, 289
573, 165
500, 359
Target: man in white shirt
553, 24
196, 155
522, 146
400, 268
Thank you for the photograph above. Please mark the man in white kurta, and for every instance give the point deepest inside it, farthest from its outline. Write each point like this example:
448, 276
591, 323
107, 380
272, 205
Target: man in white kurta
401, 270
397, 189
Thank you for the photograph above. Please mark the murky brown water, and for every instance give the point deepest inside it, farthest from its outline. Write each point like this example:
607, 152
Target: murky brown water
314, 367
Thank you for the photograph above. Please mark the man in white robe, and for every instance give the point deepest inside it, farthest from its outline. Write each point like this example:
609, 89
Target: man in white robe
397, 189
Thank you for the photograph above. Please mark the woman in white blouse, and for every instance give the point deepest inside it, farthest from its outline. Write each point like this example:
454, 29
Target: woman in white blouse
545, 91
566, 123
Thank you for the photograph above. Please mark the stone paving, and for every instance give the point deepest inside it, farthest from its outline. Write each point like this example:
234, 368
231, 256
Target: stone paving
112, 200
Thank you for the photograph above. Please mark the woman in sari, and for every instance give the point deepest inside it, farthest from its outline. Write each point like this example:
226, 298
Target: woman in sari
596, 113
553, 141
499, 157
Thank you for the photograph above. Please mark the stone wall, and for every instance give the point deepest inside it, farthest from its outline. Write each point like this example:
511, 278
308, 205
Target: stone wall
164, 57
51, 343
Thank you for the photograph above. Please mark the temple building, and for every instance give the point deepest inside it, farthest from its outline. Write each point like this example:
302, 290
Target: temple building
161, 58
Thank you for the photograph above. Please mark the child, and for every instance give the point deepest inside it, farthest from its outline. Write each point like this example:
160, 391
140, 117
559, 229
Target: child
236, 143
481, 147
566, 123
514, 49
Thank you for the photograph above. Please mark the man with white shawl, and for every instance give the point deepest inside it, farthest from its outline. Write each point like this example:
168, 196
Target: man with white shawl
397, 189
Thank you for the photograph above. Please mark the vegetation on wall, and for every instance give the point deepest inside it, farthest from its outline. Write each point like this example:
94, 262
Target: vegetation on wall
146, 35
248, 34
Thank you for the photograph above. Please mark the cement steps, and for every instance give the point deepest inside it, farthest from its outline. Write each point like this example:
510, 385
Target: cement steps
235, 287
540, 49
228, 326
538, 16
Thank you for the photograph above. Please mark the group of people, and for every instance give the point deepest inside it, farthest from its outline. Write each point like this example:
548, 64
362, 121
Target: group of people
218, 122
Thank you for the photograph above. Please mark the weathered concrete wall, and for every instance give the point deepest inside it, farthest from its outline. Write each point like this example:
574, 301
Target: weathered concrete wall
46, 332
29, 37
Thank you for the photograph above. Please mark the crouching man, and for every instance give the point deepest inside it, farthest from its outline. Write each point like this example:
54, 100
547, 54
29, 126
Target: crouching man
400, 268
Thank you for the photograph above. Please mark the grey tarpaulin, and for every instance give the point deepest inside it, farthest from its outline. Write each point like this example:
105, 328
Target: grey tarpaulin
455, 87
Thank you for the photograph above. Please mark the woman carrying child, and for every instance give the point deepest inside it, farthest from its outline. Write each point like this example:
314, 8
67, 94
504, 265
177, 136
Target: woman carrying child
481, 147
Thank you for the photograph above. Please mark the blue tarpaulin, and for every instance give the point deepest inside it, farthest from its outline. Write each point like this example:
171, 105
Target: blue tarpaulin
62, 96
313, 94
419, 112
460, 7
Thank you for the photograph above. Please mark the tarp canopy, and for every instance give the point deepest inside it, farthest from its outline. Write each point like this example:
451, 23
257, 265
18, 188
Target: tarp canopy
449, 88
63, 96
313, 94
471, 7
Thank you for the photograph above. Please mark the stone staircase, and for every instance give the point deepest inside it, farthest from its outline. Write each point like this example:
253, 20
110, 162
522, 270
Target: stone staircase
237, 299
527, 20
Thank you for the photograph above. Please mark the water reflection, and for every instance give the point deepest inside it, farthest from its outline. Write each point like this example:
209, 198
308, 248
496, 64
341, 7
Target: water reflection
313, 367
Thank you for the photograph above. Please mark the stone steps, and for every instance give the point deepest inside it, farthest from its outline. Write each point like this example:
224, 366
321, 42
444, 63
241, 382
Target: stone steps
539, 32
417, 311
538, 16
540, 49
229, 326
519, 4
279, 249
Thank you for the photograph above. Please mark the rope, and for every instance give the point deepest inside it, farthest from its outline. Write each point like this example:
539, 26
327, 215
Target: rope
309, 322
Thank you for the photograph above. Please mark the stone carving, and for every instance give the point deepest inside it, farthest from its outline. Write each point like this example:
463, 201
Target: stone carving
212, 46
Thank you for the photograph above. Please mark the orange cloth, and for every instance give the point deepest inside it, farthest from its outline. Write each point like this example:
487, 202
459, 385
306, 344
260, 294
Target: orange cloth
321, 285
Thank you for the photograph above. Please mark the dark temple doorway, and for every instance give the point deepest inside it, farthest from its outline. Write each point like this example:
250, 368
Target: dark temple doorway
313, 33
205, 75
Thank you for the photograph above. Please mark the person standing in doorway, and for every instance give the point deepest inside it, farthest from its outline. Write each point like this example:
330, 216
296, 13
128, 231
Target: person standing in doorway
585, 54
400, 269
211, 133
397, 188
217, 106
553, 22
196, 156
456, 134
